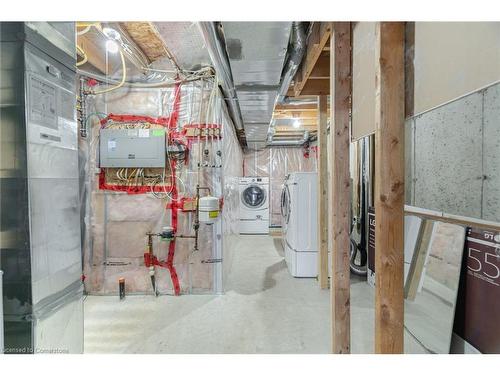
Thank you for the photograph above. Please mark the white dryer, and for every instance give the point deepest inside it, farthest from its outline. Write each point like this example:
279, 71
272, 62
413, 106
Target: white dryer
254, 205
284, 202
300, 233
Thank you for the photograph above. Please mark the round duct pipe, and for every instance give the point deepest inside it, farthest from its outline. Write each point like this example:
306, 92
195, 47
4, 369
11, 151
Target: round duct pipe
217, 50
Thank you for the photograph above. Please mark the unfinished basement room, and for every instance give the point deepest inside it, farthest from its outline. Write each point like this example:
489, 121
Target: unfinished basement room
230, 186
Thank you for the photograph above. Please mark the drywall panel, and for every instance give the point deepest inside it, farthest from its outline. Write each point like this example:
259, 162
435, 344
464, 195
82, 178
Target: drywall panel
491, 158
453, 59
363, 83
448, 158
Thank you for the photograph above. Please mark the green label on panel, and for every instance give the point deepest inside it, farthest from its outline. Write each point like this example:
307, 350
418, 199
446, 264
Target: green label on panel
158, 132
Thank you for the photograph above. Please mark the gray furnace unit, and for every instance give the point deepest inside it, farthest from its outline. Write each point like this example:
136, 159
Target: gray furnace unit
40, 249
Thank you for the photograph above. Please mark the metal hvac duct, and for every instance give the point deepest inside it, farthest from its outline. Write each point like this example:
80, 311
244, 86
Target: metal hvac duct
216, 47
257, 54
294, 60
295, 56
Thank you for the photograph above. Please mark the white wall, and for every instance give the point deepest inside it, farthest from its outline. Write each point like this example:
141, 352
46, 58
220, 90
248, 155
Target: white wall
453, 59
363, 79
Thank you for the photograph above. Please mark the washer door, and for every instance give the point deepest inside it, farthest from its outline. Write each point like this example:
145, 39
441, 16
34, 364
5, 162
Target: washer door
285, 204
282, 206
253, 196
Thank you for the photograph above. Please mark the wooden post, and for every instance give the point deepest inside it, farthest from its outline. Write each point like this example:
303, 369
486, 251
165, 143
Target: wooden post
389, 187
340, 192
323, 192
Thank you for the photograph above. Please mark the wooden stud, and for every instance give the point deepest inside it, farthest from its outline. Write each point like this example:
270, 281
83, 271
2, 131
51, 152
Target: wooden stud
308, 127
323, 192
295, 133
315, 87
340, 193
452, 219
305, 122
389, 187
293, 107
304, 114
322, 68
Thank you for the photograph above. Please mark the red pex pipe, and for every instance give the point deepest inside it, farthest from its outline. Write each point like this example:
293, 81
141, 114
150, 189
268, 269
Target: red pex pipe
172, 124
171, 246
164, 121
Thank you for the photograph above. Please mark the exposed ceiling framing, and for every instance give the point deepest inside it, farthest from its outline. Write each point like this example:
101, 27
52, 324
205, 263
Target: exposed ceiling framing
312, 79
313, 76
252, 77
147, 38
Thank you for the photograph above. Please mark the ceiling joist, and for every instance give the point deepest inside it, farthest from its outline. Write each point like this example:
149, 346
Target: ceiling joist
313, 77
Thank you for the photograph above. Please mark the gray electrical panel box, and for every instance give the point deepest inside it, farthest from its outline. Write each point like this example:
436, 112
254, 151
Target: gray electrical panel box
132, 148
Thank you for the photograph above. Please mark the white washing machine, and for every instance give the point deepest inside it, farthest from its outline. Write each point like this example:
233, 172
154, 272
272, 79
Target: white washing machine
300, 233
254, 205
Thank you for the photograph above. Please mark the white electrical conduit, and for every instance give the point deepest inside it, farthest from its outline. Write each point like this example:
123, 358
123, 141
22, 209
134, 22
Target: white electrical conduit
131, 56
213, 96
200, 153
207, 120
133, 52
172, 175
84, 55
122, 82
206, 69
138, 84
87, 29
84, 31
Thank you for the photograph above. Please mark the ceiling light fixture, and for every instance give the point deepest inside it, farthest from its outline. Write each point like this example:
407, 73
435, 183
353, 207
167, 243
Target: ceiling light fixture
111, 46
111, 33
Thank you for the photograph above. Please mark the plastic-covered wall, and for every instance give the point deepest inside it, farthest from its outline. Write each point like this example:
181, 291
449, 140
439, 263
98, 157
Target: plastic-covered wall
276, 163
116, 223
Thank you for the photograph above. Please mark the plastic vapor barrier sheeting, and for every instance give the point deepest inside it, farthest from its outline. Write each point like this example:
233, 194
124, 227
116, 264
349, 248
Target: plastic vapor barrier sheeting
116, 223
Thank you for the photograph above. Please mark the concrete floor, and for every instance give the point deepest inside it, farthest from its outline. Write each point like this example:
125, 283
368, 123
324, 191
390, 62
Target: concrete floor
264, 310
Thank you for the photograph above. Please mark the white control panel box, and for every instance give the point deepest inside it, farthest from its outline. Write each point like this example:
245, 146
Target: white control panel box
132, 148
